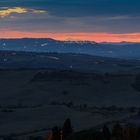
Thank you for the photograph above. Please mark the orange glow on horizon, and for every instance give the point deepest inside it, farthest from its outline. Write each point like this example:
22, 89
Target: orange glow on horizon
98, 37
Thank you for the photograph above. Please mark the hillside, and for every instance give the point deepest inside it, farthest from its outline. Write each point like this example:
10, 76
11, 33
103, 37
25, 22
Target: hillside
41, 90
70, 61
40, 99
125, 50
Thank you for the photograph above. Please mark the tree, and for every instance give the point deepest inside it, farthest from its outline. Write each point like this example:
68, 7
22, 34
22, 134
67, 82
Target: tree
67, 128
106, 133
56, 133
49, 136
117, 131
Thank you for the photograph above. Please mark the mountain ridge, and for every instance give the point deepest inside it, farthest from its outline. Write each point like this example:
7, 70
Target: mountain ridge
126, 50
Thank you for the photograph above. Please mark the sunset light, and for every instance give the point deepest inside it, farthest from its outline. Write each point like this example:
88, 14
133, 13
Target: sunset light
98, 37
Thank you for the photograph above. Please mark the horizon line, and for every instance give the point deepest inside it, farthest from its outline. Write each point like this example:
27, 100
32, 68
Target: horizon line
66, 40
75, 36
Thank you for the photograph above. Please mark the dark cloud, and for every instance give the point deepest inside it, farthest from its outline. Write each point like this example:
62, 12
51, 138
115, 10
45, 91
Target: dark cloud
115, 16
81, 7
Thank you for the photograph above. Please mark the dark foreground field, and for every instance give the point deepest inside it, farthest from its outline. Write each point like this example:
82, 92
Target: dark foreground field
33, 100
41, 90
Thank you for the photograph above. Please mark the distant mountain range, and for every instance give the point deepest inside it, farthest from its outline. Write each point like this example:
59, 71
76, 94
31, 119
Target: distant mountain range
126, 50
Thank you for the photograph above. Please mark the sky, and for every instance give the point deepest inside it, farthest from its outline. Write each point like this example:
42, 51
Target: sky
93, 20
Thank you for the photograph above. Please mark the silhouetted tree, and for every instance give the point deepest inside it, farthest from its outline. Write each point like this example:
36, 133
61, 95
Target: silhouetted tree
117, 131
138, 133
132, 133
67, 128
56, 133
49, 136
106, 133
97, 136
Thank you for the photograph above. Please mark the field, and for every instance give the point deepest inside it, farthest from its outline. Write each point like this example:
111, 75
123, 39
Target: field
35, 100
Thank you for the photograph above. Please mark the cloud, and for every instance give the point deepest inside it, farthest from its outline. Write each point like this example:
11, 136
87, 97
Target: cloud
6, 11
76, 8
65, 16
